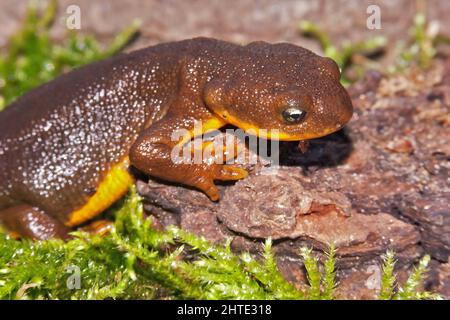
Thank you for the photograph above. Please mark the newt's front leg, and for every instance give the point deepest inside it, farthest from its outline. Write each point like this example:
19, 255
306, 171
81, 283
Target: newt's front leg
152, 153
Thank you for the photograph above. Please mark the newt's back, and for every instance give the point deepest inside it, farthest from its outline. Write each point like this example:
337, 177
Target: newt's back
59, 140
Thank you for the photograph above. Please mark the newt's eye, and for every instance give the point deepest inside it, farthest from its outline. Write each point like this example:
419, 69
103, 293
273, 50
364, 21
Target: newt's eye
293, 115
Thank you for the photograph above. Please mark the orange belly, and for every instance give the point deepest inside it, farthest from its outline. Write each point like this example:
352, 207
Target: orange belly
113, 186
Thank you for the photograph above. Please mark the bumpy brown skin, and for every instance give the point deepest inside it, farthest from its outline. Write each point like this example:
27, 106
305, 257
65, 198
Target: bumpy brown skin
59, 141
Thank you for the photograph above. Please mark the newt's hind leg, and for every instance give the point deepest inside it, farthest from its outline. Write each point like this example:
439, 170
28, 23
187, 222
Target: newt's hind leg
31, 222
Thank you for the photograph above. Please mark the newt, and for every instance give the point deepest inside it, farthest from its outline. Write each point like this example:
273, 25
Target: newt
66, 147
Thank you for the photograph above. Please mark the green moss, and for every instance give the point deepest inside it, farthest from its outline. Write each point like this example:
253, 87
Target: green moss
139, 262
421, 48
329, 282
388, 278
343, 54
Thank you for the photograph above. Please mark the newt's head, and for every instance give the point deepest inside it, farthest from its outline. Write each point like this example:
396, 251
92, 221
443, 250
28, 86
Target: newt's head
282, 87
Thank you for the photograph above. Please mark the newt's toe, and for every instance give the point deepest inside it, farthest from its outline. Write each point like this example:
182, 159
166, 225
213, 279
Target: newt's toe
232, 173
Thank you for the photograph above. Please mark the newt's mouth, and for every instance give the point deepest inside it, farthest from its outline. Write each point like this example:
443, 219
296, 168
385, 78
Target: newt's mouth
282, 136
271, 134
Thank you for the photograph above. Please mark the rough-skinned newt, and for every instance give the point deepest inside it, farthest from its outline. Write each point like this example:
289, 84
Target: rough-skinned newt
66, 147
